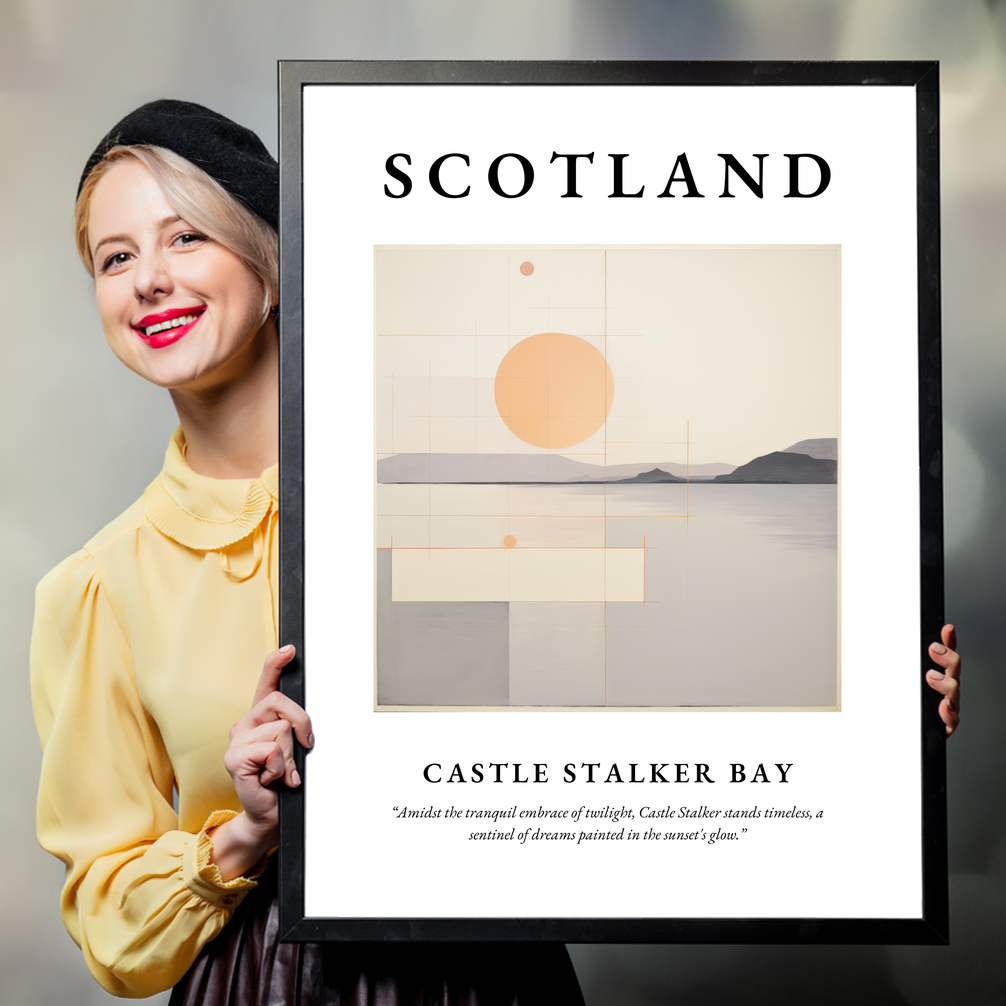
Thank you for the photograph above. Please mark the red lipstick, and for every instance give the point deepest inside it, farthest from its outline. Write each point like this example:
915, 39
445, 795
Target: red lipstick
166, 327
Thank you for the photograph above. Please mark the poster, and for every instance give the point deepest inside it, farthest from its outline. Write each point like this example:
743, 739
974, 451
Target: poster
545, 530
601, 388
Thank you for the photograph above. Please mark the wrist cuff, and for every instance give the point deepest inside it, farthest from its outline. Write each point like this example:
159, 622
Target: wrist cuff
202, 876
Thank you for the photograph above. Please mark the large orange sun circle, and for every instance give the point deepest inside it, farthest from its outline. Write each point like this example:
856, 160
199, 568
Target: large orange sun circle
554, 390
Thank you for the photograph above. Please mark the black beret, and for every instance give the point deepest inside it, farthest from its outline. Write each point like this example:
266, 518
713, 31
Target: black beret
230, 154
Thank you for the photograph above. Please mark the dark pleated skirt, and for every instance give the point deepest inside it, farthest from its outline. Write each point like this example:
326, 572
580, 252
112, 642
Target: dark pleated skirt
246, 965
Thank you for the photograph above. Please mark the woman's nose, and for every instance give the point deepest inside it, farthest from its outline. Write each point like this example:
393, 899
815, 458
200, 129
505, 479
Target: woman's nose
152, 277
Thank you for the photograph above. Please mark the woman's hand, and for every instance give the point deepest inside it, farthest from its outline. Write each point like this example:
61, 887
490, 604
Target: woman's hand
948, 681
260, 753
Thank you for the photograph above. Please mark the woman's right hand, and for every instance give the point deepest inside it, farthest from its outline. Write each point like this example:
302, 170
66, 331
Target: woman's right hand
259, 754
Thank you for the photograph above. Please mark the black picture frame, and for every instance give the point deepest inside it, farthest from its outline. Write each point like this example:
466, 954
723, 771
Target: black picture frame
932, 925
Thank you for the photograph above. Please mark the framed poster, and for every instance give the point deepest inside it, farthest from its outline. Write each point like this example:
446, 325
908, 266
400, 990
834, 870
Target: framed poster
611, 501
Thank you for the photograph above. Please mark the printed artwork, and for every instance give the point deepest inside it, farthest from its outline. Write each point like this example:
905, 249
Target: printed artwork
607, 476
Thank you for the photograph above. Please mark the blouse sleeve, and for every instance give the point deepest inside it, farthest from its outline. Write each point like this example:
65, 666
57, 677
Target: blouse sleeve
141, 898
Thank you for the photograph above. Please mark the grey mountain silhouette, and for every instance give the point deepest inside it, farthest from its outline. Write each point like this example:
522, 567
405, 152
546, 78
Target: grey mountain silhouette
784, 466
822, 447
655, 475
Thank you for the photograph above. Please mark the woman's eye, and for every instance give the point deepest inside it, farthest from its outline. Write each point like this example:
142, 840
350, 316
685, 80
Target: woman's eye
114, 261
189, 238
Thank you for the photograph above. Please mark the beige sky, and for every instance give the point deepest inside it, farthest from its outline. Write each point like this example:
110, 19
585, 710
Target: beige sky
734, 348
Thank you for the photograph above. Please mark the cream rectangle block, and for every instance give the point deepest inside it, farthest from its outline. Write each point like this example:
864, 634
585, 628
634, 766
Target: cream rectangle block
519, 574
557, 574
450, 574
623, 574
576, 574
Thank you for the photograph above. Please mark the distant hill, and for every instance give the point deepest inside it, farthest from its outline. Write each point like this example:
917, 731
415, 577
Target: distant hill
785, 467
655, 475
822, 447
704, 472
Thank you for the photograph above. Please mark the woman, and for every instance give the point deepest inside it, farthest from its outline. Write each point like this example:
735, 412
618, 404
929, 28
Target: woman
148, 643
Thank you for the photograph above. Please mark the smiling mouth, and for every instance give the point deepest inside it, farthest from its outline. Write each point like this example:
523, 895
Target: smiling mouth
185, 319
167, 321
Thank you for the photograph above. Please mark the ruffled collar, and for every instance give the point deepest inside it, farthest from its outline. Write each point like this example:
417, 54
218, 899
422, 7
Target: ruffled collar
203, 513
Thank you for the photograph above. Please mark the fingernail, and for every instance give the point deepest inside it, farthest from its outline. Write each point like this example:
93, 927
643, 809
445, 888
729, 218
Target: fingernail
936, 675
287, 649
938, 648
310, 740
295, 777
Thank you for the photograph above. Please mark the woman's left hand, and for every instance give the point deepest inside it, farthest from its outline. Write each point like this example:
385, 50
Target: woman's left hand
948, 681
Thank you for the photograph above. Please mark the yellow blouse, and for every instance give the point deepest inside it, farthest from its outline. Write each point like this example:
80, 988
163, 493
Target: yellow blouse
147, 647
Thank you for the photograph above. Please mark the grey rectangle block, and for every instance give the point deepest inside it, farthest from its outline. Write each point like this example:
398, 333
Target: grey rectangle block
440, 653
557, 653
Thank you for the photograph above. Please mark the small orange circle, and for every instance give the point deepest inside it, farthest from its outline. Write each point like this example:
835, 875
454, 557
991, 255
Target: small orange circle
526, 268
509, 541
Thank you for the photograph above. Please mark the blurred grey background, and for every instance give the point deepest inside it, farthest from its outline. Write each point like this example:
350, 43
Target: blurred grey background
82, 436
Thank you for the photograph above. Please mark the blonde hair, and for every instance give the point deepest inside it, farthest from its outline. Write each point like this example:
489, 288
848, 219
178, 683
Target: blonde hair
199, 200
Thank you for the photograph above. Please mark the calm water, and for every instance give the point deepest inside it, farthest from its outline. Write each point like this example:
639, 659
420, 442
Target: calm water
741, 591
